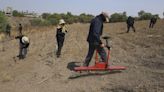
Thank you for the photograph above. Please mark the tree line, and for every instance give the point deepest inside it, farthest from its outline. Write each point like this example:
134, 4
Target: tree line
52, 19
47, 19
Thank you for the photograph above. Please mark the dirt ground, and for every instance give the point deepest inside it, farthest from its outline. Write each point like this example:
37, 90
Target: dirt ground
141, 52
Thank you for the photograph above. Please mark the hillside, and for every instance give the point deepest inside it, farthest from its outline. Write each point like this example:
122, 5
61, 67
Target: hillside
142, 52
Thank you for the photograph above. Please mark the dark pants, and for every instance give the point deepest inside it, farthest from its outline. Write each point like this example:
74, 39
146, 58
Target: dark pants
60, 41
130, 26
91, 50
151, 24
8, 33
20, 32
22, 52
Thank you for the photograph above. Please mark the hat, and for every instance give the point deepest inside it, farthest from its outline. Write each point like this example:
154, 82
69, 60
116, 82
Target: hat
25, 39
106, 15
61, 21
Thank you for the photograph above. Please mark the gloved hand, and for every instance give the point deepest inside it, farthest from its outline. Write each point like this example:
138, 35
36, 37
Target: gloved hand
102, 45
64, 30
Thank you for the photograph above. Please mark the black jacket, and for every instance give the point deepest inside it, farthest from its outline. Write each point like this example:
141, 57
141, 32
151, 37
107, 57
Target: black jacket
96, 30
153, 20
130, 20
59, 33
20, 40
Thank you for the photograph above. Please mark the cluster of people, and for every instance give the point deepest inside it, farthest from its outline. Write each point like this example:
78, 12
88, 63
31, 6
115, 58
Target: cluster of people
24, 43
130, 23
23, 40
93, 39
94, 36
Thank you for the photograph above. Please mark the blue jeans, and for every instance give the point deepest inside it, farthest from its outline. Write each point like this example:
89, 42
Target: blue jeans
92, 48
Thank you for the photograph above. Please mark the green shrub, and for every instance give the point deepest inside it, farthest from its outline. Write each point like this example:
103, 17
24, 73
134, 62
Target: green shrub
3, 22
39, 22
146, 15
17, 14
68, 17
118, 17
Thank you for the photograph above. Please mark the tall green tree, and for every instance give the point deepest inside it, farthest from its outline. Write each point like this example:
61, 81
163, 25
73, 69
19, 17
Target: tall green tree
118, 17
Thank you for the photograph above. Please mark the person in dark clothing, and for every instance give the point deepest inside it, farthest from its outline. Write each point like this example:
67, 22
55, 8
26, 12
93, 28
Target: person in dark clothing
8, 30
60, 36
153, 20
130, 24
20, 29
95, 43
23, 45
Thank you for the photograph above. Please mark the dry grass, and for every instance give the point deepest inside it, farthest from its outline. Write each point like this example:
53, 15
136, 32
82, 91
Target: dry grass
6, 77
142, 52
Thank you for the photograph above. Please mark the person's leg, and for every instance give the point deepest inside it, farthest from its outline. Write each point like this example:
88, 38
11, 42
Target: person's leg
59, 49
133, 28
153, 25
21, 32
150, 25
89, 55
24, 52
128, 28
60, 45
102, 53
20, 52
9, 33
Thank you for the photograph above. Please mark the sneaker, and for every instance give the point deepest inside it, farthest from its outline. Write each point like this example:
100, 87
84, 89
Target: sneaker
58, 56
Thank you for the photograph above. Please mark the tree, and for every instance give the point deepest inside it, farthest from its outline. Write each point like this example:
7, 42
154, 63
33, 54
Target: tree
45, 15
17, 14
146, 15
53, 19
140, 13
85, 18
118, 17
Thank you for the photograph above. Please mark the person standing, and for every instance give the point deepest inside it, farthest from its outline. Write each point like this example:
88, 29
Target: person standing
60, 36
8, 30
130, 24
153, 21
20, 29
94, 41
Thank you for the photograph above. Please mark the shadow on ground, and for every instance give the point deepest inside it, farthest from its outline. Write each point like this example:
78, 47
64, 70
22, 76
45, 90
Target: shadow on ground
82, 74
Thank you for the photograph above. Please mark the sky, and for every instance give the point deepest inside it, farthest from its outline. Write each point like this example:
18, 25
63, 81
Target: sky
132, 7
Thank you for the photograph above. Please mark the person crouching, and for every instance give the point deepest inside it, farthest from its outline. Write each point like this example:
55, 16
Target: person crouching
23, 45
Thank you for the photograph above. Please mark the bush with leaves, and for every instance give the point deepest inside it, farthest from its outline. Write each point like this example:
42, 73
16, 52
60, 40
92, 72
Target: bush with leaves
118, 17
3, 22
17, 14
146, 15
39, 22
68, 17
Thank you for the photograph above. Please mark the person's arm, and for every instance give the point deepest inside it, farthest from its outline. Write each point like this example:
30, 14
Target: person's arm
26, 45
64, 29
17, 37
127, 21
